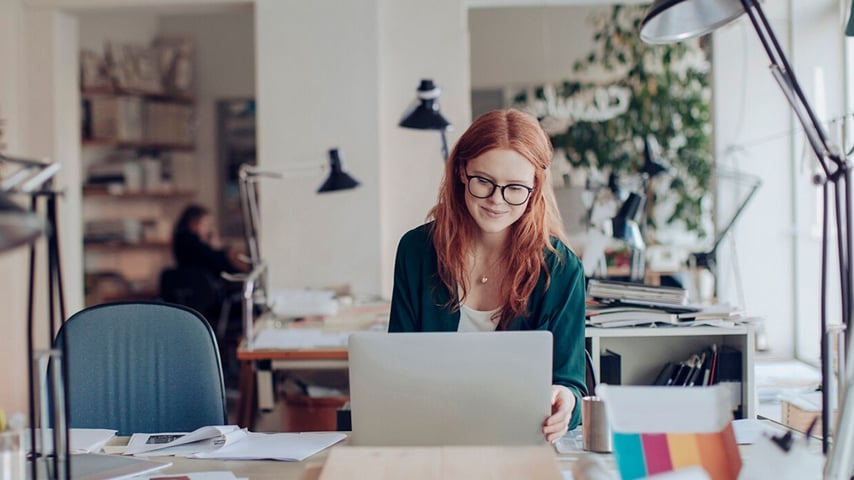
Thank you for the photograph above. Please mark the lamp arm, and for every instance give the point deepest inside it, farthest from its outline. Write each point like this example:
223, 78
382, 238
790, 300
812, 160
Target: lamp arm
838, 179
754, 186
785, 77
253, 173
33, 176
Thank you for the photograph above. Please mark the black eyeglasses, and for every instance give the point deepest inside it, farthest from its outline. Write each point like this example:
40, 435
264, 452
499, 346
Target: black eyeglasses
512, 193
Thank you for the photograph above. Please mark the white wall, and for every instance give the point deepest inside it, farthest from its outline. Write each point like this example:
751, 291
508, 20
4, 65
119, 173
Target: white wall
97, 28
224, 69
349, 91
310, 100
528, 46
417, 40
37, 104
776, 240
13, 287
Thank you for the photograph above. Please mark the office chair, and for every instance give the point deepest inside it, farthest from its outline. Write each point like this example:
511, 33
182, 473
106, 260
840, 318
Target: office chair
200, 290
142, 367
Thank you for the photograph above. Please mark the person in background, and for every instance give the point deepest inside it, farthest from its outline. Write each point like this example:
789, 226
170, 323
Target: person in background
494, 256
195, 244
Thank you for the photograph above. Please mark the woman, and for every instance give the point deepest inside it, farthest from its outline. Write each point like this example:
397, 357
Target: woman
494, 255
195, 244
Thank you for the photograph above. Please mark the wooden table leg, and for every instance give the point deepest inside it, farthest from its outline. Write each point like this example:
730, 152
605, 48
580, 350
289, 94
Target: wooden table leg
246, 406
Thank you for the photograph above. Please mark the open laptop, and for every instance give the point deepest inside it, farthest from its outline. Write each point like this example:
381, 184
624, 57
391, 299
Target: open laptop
429, 389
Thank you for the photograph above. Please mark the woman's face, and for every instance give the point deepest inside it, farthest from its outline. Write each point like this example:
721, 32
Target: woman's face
203, 227
501, 167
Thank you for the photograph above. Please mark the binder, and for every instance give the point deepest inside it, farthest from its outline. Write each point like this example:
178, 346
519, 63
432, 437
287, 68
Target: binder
665, 376
610, 368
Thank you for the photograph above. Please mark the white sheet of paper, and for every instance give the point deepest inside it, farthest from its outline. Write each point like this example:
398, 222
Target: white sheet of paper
197, 476
748, 430
81, 440
289, 447
295, 338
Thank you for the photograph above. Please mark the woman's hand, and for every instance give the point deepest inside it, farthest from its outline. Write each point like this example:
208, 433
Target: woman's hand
563, 403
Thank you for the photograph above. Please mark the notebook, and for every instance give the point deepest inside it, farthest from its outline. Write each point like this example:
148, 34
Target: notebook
436, 389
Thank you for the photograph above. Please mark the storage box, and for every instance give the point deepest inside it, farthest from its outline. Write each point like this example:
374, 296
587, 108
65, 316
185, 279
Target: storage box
799, 411
311, 414
663, 429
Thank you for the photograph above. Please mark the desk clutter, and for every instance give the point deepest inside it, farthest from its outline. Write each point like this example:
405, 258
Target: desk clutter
230, 442
612, 304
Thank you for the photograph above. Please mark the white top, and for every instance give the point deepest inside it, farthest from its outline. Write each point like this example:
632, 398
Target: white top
472, 320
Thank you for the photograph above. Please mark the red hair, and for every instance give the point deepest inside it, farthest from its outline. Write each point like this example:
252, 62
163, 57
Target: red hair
454, 229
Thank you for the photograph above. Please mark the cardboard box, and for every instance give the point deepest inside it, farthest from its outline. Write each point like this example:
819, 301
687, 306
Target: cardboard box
799, 411
662, 429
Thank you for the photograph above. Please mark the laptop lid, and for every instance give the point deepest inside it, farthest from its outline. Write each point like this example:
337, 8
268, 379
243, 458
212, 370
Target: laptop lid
449, 388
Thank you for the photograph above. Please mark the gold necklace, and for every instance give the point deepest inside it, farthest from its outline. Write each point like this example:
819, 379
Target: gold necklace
485, 278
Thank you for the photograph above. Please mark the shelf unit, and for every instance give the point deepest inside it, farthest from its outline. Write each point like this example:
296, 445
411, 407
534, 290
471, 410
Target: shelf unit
138, 148
645, 350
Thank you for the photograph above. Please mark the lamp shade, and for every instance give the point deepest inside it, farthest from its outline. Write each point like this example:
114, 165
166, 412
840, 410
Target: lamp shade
338, 179
17, 226
424, 115
669, 21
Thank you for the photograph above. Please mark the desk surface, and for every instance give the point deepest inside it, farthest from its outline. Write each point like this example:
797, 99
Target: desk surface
264, 469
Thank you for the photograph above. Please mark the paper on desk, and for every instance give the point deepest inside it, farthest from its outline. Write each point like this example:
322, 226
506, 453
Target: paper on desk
183, 444
81, 440
194, 476
296, 338
303, 303
288, 447
749, 430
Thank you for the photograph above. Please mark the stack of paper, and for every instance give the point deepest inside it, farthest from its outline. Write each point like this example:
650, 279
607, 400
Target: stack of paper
627, 292
292, 303
233, 443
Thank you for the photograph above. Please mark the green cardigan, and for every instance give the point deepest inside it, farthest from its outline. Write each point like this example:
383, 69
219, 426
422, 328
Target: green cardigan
418, 299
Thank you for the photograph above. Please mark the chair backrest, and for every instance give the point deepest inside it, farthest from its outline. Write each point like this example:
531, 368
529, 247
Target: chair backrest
142, 367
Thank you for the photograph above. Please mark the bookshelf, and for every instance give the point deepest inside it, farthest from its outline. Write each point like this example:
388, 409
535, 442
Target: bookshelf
138, 151
645, 350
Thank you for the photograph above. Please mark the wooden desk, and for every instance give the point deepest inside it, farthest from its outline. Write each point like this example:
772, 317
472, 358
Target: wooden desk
354, 318
644, 350
274, 470
270, 470
302, 358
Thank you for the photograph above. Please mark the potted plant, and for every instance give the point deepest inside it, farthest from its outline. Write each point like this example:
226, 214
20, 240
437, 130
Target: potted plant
634, 93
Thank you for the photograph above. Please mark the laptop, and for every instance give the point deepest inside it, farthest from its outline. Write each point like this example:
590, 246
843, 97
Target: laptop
449, 388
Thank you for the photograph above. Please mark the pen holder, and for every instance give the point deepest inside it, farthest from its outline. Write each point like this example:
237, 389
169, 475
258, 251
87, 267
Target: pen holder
595, 430
12, 459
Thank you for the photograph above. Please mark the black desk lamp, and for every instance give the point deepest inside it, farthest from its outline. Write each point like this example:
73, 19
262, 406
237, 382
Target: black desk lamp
708, 259
670, 21
425, 115
248, 176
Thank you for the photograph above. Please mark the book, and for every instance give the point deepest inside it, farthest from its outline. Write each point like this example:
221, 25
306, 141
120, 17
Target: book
627, 291
629, 316
610, 368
